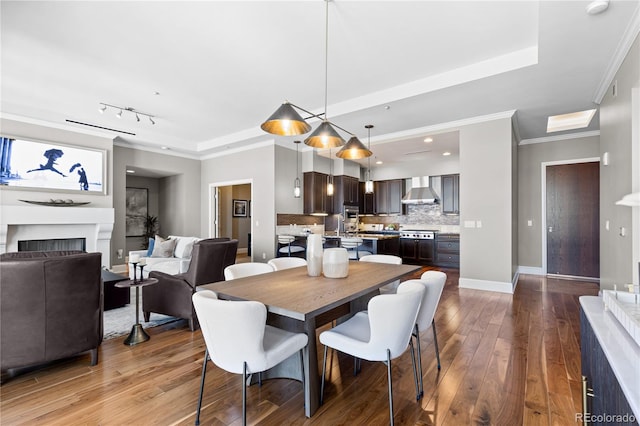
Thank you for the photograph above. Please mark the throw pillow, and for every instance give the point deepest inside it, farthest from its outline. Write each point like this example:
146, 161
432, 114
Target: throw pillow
152, 242
163, 248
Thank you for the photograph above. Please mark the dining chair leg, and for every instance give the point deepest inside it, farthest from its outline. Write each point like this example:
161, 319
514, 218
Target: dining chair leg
324, 368
413, 364
435, 341
419, 350
204, 373
244, 394
390, 387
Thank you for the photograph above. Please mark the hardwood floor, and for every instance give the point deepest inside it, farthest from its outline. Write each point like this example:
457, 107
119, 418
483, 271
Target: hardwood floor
506, 360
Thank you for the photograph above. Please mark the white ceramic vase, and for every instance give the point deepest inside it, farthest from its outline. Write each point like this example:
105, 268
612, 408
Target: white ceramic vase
335, 263
314, 255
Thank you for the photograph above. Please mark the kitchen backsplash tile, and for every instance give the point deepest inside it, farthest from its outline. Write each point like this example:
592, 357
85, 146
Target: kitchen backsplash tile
429, 214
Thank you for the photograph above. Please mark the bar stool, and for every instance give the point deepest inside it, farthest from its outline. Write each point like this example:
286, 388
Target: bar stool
286, 247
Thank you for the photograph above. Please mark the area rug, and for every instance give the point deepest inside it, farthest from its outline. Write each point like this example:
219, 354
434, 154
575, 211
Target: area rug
118, 322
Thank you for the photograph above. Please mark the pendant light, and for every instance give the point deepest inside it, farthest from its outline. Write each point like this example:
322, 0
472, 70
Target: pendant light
368, 184
330, 180
354, 150
287, 122
296, 183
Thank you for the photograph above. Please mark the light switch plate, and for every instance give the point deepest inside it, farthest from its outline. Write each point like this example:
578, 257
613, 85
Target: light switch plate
529, 222
469, 223
478, 224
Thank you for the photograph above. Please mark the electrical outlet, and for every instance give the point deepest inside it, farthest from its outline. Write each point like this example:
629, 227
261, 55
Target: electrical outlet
529, 222
606, 225
478, 224
264, 255
120, 252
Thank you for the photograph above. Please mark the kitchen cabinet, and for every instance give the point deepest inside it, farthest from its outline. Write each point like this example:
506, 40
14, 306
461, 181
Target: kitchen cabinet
388, 196
346, 192
316, 200
601, 390
450, 197
420, 251
447, 251
389, 246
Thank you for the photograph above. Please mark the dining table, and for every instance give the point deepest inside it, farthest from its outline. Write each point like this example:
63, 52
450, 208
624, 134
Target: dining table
298, 302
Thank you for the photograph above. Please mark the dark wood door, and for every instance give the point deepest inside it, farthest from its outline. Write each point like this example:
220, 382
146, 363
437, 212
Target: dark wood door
573, 233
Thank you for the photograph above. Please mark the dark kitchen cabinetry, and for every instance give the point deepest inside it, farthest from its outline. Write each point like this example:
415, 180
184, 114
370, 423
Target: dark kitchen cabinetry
346, 192
450, 194
448, 250
316, 200
388, 196
601, 390
389, 246
420, 251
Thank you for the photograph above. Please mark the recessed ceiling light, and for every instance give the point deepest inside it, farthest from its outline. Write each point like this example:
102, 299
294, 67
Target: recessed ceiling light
379, 162
597, 6
130, 171
164, 147
446, 153
156, 93
387, 107
571, 121
428, 140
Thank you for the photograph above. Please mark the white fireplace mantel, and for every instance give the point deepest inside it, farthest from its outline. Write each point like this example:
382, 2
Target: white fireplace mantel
43, 222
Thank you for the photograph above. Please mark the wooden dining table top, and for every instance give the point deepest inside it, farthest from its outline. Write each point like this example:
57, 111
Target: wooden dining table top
293, 293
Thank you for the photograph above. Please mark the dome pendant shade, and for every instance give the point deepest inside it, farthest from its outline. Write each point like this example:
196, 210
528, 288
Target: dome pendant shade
353, 150
325, 136
285, 122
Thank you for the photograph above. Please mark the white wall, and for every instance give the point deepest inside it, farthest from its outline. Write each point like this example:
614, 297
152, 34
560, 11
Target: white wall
486, 196
285, 175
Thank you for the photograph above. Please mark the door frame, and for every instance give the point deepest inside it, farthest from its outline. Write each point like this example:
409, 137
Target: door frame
544, 166
213, 206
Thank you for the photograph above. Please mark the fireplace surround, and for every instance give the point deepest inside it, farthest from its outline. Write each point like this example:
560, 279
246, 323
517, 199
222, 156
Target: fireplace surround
94, 224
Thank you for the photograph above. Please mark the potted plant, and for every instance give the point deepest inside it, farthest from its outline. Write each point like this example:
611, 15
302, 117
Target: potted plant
150, 230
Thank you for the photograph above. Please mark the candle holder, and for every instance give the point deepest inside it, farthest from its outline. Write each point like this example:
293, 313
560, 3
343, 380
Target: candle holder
134, 271
142, 265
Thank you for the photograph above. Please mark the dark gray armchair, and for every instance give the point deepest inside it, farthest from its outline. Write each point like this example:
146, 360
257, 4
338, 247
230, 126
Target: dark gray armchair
172, 294
51, 307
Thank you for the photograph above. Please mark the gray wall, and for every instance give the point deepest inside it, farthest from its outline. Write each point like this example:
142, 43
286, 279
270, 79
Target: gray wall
530, 159
179, 193
486, 195
617, 263
285, 175
257, 166
241, 225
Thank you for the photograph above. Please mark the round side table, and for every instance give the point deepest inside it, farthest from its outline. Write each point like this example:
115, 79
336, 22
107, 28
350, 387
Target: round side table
137, 335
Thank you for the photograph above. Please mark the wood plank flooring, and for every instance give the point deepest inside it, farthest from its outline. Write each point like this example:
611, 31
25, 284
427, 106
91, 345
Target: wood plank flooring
506, 360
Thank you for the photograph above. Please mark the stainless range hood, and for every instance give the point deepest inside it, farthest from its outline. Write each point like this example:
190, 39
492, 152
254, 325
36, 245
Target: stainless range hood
420, 192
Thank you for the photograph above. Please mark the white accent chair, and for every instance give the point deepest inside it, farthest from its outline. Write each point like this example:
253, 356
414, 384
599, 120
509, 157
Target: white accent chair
240, 270
382, 333
280, 263
353, 244
385, 258
286, 246
239, 341
178, 263
434, 282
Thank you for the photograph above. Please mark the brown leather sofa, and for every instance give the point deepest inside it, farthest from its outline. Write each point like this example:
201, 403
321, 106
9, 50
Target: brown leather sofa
172, 294
51, 307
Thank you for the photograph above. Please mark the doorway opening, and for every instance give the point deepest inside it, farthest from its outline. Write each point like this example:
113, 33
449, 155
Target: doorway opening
230, 214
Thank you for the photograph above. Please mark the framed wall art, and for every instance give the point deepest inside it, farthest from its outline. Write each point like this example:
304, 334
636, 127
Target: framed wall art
51, 166
239, 208
136, 211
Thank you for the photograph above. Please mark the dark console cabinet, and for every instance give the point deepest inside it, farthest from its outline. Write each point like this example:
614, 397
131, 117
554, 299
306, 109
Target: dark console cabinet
448, 250
417, 251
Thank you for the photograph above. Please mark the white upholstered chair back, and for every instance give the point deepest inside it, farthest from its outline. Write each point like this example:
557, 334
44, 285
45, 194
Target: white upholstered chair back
240, 270
280, 263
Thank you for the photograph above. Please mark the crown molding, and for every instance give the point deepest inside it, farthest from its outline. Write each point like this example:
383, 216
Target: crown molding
155, 150
270, 142
621, 52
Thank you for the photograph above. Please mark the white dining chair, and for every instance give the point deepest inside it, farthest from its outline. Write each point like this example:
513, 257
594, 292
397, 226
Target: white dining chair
385, 258
240, 270
382, 333
238, 340
353, 244
434, 282
280, 263
286, 246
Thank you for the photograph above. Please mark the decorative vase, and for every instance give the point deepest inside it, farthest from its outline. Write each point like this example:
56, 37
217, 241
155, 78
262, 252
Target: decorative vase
314, 255
335, 263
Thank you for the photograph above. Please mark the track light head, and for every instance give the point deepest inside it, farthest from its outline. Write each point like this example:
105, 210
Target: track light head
151, 120
137, 117
119, 114
102, 109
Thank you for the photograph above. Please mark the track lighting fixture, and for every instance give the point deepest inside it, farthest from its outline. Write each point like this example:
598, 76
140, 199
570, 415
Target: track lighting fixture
368, 184
120, 110
296, 182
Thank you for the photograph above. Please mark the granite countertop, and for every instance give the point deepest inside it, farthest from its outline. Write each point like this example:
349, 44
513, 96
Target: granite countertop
367, 236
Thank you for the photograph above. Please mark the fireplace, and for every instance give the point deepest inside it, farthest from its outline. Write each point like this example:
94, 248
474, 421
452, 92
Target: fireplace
53, 244
25, 223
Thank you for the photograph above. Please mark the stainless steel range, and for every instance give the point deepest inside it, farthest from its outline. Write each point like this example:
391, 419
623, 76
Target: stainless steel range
417, 234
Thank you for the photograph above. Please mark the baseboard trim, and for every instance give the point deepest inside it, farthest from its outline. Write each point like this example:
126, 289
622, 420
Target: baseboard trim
530, 270
497, 286
573, 278
119, 269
